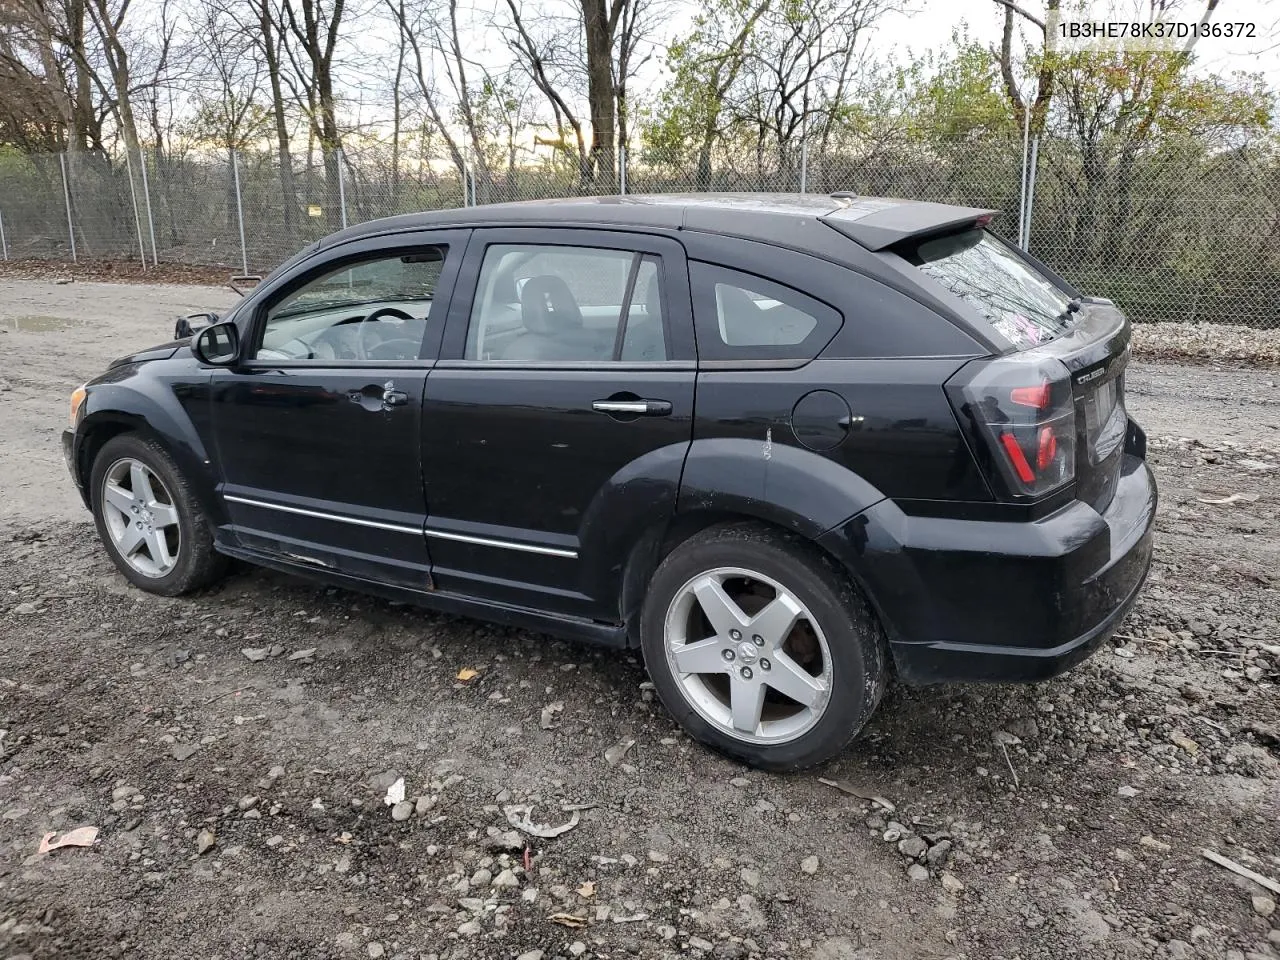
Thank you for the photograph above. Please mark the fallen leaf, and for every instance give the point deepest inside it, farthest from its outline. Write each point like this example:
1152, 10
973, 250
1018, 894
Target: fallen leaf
549, 712
518, 816
587, 890
395, 793
1234, 498
568, 920
619, 750
467, 673
1185, 742
844, 786
79, 837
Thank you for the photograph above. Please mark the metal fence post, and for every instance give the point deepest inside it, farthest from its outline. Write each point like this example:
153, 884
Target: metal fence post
342, 190
1022, 199
804, 165
1031, 194
66, 196
4, 244
151, 223
622, 169
133, 195
244, 251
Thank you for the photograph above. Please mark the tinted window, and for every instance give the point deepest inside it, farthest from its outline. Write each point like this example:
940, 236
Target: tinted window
369, 311
744, 317
559, 303
1016, 298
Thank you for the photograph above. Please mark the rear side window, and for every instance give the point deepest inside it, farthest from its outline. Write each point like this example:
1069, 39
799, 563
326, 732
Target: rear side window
542, 303
1018, 300
741, 316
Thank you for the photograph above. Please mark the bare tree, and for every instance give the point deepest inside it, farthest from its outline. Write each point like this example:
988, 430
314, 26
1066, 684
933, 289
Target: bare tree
316, 30
600, 46
46, 64
430, 30
795, 71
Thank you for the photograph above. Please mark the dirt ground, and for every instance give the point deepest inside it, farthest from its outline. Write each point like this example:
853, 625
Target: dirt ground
1060, 820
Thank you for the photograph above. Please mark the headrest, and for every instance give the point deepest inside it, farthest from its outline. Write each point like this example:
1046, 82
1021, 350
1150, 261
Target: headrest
653, 299
547, 306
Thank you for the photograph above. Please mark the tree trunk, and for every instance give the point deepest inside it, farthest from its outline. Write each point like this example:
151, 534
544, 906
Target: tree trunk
288, 192
600, 92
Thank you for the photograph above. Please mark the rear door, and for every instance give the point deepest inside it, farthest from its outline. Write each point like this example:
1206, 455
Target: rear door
557, 420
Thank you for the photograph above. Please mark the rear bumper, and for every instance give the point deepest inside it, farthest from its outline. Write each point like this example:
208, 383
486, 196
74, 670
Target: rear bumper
976, 600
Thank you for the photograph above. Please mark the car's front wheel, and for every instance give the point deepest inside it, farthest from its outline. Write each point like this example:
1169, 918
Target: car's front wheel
761, 648
150, 520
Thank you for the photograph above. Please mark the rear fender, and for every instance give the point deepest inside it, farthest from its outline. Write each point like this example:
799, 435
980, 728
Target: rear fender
785, 485
734, 478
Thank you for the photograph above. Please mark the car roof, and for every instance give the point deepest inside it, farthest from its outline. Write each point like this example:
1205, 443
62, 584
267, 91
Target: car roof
793, 219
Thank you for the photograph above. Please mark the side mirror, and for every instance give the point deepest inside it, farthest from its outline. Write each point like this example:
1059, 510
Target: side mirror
187, 327
218, 346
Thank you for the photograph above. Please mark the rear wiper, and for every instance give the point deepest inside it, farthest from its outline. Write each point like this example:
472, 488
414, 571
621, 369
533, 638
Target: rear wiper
1073, 306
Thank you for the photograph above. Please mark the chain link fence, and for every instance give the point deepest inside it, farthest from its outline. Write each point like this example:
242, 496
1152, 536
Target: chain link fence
1175, 232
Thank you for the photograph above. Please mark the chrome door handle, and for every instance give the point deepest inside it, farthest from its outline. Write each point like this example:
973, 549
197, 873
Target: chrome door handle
636, 408
373, 398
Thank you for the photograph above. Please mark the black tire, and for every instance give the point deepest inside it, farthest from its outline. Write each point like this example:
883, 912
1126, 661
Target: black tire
198, 564
854, 638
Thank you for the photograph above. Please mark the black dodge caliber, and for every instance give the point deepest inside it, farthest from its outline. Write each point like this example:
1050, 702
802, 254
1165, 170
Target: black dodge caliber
784, 445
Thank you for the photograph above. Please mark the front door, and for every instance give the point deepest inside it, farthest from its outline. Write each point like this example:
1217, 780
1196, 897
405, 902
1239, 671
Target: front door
318, 430
556, 423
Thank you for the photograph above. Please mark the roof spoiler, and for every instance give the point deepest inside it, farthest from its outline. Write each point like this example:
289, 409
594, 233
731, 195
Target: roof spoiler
876, 224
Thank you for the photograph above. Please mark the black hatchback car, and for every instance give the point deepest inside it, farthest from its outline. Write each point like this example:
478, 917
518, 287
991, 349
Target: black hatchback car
784, 445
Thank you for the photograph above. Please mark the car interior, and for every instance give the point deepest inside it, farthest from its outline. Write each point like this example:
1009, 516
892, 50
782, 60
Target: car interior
526, 310
372, 311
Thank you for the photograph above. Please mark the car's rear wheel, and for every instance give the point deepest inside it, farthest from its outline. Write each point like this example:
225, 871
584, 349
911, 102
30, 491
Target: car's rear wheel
149, 519
761, 648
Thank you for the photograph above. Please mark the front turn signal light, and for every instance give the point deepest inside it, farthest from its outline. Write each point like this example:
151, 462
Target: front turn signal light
77, 402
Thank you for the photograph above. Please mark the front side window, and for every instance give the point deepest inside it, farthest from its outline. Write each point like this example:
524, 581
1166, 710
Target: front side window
559, 303
744, 317
369, 311
1024, 305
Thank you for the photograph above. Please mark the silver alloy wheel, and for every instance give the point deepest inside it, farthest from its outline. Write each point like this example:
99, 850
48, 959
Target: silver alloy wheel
748, 655
141, 518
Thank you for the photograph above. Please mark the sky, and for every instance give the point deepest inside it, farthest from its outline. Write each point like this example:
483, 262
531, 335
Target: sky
925, 25
929, 25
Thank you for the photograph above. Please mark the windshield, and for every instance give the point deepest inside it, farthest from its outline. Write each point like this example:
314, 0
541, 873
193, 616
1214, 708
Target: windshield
1018, 300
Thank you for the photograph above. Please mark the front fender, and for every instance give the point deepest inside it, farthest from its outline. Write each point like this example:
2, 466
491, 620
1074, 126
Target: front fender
133, 397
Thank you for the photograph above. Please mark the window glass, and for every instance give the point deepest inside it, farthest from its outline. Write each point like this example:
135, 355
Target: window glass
1016, 298
559, 303
367, 312
741, 316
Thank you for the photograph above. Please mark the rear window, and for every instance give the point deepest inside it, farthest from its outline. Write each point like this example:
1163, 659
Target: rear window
1018, 300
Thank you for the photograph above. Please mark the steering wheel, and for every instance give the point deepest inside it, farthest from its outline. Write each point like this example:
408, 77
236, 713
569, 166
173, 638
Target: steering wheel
361, 346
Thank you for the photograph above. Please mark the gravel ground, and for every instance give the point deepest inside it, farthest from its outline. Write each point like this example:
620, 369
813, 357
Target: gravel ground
235, 749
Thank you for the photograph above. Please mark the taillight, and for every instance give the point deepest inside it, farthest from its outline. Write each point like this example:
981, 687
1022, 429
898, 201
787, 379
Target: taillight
1023, 413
